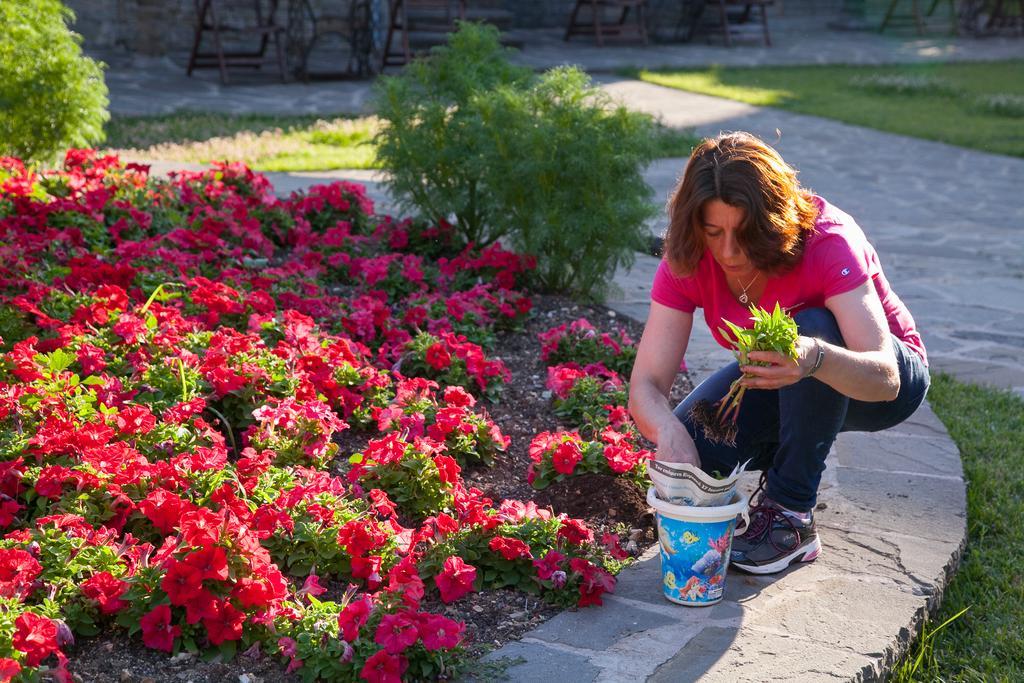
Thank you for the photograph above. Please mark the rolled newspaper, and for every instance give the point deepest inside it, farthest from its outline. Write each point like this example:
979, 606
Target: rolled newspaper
685, 484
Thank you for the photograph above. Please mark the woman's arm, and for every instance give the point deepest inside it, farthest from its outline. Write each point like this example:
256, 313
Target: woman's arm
866, 370
658, 357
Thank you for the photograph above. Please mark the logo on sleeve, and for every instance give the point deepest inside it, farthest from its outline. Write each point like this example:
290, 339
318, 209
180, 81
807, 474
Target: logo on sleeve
845, 272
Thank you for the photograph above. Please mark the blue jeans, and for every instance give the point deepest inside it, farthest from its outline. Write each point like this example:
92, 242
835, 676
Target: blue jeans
788, 432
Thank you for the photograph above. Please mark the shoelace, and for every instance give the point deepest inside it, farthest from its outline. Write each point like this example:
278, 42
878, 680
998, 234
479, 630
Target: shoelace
762, 521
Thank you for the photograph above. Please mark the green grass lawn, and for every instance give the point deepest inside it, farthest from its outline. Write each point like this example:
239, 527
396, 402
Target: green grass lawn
987, 642
276, 143
976, 105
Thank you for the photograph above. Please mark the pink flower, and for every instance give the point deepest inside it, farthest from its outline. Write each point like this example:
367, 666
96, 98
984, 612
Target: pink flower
384, 668
439, 632
547, 565
456, 579
396, 632
353, 616
9, 668
438, 357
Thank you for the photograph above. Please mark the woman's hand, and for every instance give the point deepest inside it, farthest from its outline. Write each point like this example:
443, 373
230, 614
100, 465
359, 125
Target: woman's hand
676, 445
781, 370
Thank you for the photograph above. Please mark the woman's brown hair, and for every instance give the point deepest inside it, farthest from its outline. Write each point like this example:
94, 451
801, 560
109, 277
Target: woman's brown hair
744, 172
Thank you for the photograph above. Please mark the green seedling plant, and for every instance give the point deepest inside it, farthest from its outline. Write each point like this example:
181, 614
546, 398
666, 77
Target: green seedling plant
775, 331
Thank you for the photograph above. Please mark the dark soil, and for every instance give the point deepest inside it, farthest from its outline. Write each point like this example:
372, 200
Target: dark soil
492, 617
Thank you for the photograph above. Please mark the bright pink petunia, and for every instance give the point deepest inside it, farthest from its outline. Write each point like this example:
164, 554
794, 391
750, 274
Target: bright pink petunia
353, 616
384, 668
396, 632
456, 579
439, 632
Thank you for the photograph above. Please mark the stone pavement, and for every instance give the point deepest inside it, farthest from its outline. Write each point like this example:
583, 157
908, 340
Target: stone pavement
945, 222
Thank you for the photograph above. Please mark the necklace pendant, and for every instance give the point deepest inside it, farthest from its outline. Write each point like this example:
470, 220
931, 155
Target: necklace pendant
744, 298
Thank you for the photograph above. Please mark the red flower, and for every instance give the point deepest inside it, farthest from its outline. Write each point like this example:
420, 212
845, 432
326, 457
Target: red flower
439, 632
36, 636
8, 669
135, 420
224, 624
201, 527
353, 616
612, 543
106, 590
456, 579
575, 531
211, 563
566, 456
157, 632
458, 397
182, 583
164, 510
384, 668
18, 569
510, 548
396, 632
438, 356
447, 469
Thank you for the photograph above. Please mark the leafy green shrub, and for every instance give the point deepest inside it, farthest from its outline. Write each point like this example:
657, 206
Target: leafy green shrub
548, 163
52, 96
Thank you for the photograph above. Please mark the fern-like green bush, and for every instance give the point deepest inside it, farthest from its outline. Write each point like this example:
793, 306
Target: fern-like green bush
51, 96
548, 164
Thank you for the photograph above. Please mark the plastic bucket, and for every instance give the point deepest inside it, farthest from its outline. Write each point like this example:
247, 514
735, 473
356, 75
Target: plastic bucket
695, 544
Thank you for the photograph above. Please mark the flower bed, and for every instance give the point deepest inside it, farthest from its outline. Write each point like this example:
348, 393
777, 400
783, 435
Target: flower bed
219, 405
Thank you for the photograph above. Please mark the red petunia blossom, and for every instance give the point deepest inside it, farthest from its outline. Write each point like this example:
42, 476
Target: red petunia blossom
157, 632
456, 579
613, 544
566, 457
201, 607
201, 527
164, 509
106, 590
353, 616
575, 531
459, 397
397, 632
182, 583
368, 569
510, 548
439, 632
18, 569
438, 357
447, 469
9, 509
36, 636
135, 420
384, 668
225, 624
9, 668
210, 562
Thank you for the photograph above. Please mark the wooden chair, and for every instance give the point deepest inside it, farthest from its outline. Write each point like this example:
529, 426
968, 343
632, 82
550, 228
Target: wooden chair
915, 14
216, 18
418, 23
727, 29
596, 25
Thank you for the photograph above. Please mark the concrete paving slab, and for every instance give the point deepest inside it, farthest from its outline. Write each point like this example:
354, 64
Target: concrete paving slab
539, 663
929, 456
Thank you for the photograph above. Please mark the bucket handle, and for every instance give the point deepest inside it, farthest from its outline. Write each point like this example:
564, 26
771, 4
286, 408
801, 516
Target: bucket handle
746, 522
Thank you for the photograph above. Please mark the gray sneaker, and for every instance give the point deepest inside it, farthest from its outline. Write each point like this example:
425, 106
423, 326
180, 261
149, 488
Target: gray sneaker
774, 539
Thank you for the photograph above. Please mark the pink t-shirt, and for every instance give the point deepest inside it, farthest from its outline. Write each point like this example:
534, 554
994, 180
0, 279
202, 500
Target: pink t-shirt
837, 257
